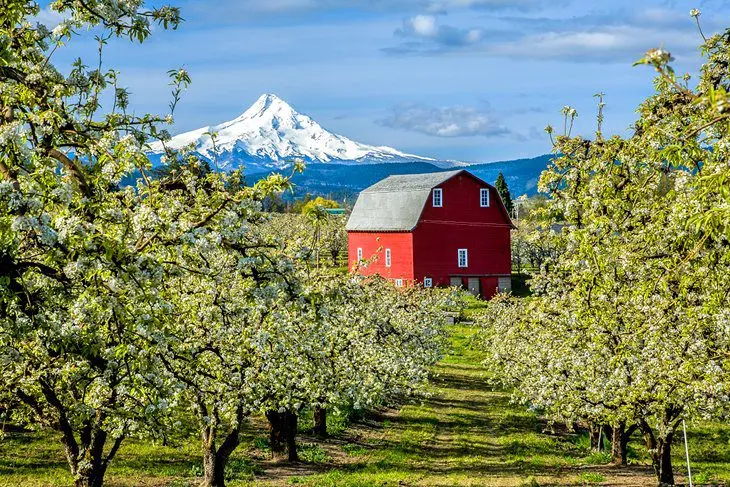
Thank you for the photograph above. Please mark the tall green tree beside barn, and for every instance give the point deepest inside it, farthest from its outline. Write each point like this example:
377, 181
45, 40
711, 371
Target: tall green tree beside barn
504, 193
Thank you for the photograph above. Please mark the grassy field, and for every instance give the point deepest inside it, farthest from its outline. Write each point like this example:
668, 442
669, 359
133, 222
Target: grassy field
465, 433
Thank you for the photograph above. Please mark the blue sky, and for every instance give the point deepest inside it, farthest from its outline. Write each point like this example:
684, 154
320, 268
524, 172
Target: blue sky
473, 80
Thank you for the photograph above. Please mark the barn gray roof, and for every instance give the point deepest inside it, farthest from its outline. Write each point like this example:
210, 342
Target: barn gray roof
396, 202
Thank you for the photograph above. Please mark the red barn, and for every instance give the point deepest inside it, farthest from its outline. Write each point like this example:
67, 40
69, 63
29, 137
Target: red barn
439, 229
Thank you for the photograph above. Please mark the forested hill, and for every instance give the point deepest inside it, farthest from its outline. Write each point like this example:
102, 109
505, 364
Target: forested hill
341, 181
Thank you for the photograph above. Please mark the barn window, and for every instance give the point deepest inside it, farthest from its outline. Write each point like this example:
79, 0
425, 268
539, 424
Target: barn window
387, 257
463, 258
438, 197
484, 197
399, 283
359, 253
427, 282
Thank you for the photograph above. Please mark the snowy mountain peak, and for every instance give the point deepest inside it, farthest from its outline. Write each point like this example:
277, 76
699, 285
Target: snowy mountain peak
270, 134
268, 106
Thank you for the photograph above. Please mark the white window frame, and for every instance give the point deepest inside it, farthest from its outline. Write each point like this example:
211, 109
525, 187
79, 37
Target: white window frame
427, 282
359, 254
465, 253
399, 283
484, 197
388, 258
438, 198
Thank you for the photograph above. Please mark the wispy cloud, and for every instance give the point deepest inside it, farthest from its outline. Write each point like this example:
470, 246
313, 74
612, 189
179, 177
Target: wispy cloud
608, 44
230, 9
49, 18
617, 36
457, 121
426, 27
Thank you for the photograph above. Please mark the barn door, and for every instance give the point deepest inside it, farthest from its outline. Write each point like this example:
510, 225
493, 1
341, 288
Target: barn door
474, 286
456, 282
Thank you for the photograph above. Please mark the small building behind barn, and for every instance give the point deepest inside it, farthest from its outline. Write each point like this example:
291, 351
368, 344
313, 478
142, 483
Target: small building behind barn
437, 229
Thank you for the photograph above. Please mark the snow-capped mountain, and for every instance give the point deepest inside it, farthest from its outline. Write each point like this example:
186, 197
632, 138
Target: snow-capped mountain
270, 135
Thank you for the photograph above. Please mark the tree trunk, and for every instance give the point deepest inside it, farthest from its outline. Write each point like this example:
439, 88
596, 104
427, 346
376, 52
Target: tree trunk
90, 469
620, 442
662, 460
283, 433
661, 455
216, 458
292, 422
320, 421
90, 477
593, 436
214, 469
276, 433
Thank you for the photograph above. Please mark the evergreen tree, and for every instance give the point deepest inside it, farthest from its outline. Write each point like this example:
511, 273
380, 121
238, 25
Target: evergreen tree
503, 191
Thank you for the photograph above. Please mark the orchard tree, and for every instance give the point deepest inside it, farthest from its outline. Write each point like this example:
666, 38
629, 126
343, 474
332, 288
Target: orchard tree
85, 263
503, 191
220, 282
629, 325
310, 235
346, 343
76, 255
317, 205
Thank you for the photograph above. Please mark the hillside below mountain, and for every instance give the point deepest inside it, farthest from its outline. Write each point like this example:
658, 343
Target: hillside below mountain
344, 182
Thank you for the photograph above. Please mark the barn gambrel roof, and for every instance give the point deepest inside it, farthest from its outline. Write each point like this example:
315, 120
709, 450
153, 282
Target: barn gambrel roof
395, 203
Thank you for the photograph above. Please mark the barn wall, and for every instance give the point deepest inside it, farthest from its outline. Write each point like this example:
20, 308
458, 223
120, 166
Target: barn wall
374, 245
436, 251
461, 203
463, 223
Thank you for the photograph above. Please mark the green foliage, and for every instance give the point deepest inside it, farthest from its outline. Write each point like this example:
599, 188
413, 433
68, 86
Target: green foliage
317, 206
592, 478
312, 453
503, 190
598, 458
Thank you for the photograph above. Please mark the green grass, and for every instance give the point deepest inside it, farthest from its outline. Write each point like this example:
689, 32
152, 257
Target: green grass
465, 432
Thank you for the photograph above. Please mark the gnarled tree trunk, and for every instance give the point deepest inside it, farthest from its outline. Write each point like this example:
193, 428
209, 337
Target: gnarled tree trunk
283, 433
292, 422
215, 458
85, 455
619, 443
277, 427
320, 421
660, 449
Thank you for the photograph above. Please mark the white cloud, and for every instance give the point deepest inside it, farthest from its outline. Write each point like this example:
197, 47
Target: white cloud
619, 36
423, 25
49, 18
458, 121
620, 43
